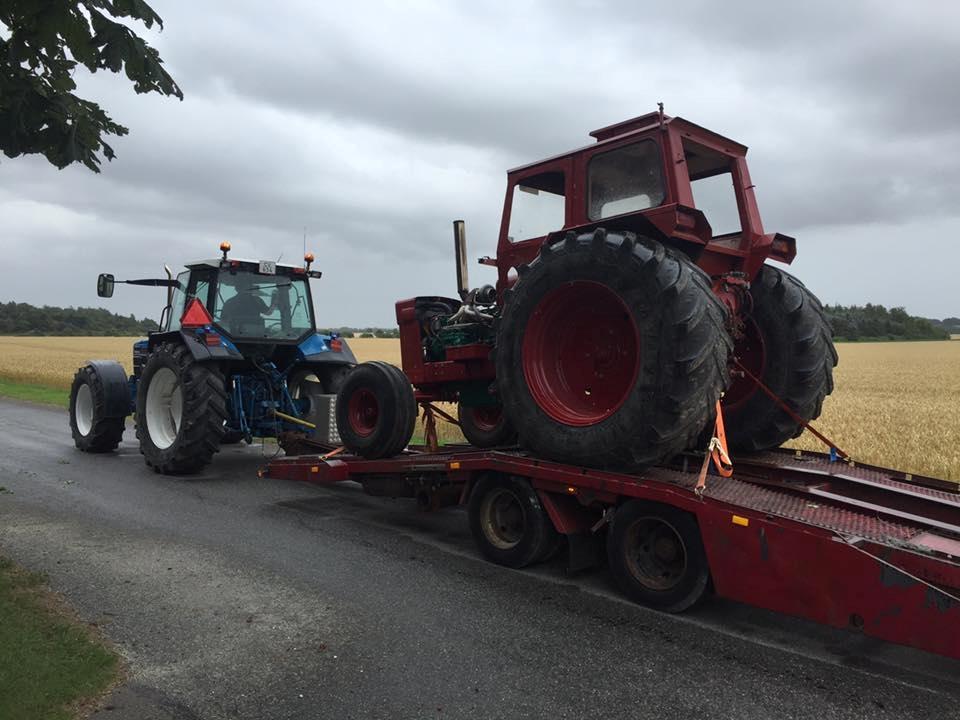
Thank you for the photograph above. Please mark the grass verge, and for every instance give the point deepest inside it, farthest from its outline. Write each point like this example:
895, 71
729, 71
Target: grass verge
35, 393
51, 666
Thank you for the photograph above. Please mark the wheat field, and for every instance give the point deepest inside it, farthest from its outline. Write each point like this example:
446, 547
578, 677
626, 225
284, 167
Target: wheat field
895, 404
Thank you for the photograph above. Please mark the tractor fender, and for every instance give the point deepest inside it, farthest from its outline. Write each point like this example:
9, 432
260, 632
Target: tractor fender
194, 342
322, 349
116, 388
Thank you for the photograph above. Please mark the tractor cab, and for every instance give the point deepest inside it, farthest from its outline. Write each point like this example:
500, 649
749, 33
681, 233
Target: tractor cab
247, 300
664, 177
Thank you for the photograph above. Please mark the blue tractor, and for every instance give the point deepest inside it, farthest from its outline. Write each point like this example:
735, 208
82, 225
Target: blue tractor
237, 356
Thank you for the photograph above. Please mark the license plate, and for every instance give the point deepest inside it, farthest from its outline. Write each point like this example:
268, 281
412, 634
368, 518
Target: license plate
268, 267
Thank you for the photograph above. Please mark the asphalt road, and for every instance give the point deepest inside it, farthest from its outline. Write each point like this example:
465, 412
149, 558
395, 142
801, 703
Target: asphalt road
234, 597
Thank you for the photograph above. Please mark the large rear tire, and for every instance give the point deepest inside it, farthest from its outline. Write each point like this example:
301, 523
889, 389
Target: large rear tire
181, 409
376, 410
93, 429
788, 345
612, 351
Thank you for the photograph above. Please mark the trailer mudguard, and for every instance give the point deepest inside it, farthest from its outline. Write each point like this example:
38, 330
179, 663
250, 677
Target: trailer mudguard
116, 389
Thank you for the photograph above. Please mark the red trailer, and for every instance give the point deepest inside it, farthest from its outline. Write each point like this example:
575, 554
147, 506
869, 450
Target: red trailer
852, 546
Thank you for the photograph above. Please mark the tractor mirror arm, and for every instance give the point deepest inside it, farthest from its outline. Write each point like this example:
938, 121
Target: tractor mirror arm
153, 282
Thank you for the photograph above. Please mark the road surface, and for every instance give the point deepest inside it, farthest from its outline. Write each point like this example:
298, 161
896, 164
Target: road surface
234, 597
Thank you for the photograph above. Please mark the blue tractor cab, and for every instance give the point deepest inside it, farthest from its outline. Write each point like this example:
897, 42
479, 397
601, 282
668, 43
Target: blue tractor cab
237, 356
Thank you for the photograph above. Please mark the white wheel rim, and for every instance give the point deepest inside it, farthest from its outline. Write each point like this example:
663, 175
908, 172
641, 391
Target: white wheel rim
83, 410
164, 408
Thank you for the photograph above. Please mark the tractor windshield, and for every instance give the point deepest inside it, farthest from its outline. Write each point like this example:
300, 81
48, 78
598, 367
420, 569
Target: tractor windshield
257, 307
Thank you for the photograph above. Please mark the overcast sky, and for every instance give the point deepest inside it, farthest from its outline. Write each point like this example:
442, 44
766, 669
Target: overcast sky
375, 125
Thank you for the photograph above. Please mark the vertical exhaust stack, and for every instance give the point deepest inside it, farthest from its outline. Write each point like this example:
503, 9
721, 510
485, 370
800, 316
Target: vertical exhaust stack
460, 252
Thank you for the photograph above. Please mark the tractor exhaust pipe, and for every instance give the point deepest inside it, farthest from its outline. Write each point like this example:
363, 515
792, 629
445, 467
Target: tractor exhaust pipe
460, 252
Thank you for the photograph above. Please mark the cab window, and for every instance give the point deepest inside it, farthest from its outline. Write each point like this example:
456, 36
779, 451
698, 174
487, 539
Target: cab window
538, 206
623, 180
714, 193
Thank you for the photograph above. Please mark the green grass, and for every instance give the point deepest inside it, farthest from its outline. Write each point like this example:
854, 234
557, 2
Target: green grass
49, 665
35, 393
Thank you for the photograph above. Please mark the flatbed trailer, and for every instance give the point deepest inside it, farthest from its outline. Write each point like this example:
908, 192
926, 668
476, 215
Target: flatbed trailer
864, 548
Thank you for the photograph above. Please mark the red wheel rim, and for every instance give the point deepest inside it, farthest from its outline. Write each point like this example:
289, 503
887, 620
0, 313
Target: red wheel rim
486, 417
364, 412
749, 350
581, 353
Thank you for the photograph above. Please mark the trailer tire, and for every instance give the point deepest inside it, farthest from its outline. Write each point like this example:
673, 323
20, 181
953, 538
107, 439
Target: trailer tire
611, 352
486, 426
508, 521
181, 409
656, 555
94, 427
376, 411
788, 345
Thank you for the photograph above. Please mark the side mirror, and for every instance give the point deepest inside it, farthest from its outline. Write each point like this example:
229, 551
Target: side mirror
105, 285
460, 251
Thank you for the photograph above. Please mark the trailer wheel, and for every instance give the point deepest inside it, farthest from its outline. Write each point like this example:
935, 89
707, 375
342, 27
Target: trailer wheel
93, 429
788, 345
508, 522
611, 351
486, 426
656, 556
181, 409
376, 410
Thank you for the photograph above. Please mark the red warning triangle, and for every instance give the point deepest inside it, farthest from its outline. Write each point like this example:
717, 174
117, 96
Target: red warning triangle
196, 315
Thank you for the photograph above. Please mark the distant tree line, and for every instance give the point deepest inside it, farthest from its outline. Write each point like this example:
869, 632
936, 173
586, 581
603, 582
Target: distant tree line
25, 319
875, 322
370, 332
854, 322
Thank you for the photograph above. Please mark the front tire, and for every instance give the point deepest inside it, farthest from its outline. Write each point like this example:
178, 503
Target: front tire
486, 426
93, 431
181, 409
788, 345
376, 411
611, 352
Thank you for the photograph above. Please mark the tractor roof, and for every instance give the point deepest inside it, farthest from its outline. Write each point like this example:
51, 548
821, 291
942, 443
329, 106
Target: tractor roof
255, 264
640, 125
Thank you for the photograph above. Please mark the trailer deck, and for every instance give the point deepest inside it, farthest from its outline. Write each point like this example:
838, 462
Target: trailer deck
859, 547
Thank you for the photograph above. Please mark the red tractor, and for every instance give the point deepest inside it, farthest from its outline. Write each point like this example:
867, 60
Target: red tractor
633, 292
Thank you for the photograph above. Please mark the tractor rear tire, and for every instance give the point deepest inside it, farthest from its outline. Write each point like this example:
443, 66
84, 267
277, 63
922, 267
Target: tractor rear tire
376, 411
611, 352
486, 426
181, 409
789, 346
93, 431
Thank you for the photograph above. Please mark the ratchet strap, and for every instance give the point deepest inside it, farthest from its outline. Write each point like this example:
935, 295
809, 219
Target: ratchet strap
716, 451
834, 449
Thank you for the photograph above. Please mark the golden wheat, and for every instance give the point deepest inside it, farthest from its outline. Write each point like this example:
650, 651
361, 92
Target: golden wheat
895, 404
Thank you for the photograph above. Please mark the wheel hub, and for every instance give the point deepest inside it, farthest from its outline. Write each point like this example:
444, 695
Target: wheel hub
581, 353
164, 408
364, 412
502, 519
656, 555
487, 417
83, 410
